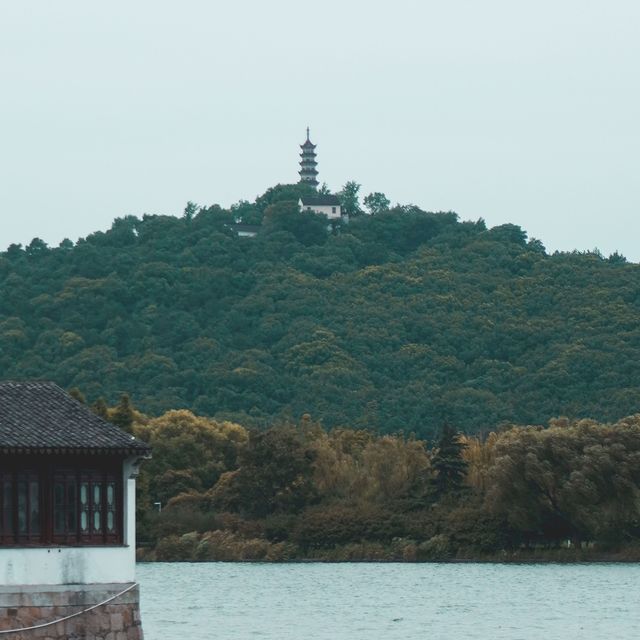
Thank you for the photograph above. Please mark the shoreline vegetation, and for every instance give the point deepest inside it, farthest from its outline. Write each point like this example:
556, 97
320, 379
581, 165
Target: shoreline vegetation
217, 491
217, 546
556, 556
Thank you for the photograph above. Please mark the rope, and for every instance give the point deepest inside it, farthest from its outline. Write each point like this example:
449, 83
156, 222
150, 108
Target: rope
73, 615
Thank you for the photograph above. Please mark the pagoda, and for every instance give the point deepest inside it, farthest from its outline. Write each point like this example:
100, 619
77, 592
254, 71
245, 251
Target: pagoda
308, 172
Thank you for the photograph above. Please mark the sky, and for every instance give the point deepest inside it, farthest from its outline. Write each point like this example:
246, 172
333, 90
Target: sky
515, 112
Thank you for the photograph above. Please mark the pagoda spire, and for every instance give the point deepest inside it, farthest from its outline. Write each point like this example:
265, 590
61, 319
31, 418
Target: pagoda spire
308, 172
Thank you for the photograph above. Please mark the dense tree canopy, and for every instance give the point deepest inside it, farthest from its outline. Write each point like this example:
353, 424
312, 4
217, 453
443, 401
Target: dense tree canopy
232, 493
399, 321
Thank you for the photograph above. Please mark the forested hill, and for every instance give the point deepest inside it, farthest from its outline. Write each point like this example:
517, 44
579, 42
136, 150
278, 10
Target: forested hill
403, 320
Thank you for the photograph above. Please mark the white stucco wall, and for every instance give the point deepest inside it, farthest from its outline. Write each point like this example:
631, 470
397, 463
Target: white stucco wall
66, 565
326, 209
77, 565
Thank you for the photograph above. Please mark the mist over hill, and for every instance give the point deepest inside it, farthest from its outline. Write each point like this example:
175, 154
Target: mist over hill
399, 321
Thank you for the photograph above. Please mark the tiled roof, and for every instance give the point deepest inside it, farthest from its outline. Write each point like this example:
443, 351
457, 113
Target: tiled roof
320, 201
40, 416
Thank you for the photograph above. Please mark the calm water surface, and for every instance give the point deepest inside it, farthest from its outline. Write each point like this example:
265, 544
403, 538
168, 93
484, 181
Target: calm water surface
390, 601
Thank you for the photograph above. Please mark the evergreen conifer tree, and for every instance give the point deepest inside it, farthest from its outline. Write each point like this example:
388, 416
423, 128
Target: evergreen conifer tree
448, 464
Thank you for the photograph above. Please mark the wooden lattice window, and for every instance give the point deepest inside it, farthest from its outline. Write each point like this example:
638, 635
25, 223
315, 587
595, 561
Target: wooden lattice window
68, 505
98, 507
7, 523
27, 506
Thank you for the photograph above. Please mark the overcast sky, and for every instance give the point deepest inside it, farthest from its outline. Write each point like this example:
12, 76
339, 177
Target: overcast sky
521, 112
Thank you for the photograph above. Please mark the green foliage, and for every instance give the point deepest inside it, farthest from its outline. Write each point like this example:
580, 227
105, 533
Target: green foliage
377, 203
436, 548
292, 492
99, 407
343, 523
398, 321
247, 213
123, 415
447, 462
177, 548
184, 513
349, 199
190, 210
578, 481
77, 395
221, 546
283, 193
307, 227
190, 453
274, 475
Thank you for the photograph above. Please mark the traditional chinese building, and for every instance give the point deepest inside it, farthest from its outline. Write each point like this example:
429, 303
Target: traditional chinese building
322, 203
308, 172
67, 518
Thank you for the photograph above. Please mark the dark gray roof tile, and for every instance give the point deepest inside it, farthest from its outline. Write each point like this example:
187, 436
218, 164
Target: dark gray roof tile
320, 200
41, 415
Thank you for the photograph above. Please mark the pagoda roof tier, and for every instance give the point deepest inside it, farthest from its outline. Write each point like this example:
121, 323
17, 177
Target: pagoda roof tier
307, 143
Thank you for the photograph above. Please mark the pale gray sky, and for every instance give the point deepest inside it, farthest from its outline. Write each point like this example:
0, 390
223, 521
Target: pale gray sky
522, 112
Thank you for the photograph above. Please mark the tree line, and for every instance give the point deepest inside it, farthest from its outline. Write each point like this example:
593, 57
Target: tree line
398, 321
215, 490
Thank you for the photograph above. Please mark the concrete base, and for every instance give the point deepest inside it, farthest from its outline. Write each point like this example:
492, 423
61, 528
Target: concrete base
33, 605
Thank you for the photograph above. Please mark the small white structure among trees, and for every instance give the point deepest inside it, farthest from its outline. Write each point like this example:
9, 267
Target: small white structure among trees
328, 204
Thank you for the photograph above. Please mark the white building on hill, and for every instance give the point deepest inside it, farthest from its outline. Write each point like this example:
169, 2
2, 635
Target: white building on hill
327, 204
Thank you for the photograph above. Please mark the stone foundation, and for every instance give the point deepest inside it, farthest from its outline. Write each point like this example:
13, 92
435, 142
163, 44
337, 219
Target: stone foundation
29, 606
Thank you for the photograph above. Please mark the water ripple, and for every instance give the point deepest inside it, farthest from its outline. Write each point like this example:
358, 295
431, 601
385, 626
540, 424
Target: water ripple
389, 601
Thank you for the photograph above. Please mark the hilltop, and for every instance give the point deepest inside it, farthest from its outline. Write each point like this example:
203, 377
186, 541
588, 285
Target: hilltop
399, 321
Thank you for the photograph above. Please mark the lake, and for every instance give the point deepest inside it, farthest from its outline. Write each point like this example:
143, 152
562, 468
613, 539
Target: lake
233, 601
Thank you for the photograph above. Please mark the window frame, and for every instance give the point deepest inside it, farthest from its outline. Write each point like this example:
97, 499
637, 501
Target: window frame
59, 520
